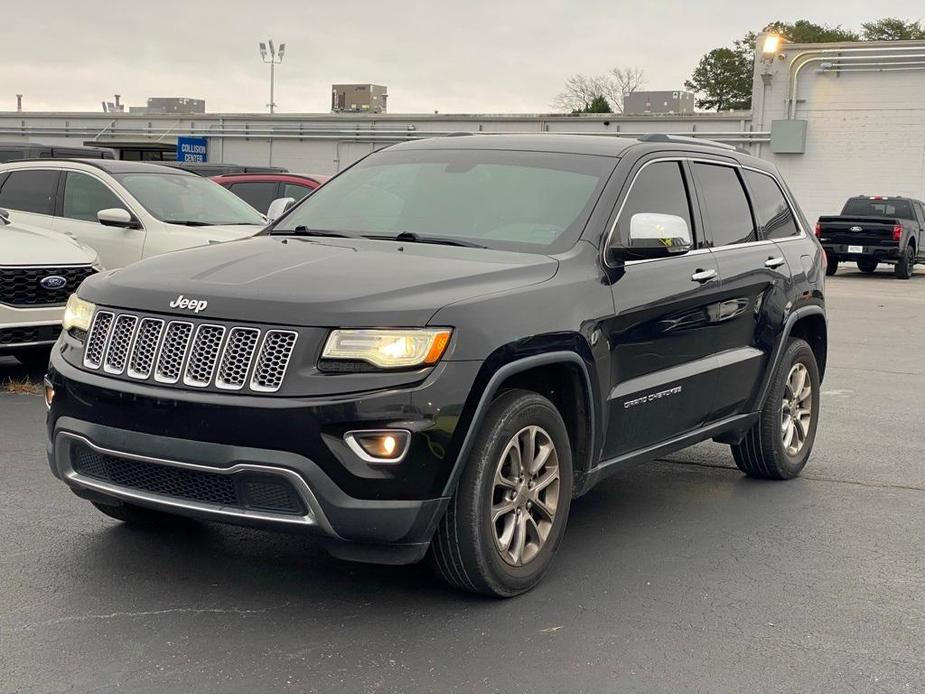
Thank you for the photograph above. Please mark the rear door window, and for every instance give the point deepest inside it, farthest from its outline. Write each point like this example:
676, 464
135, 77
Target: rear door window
84, 196
30, 191
257, 194
773, 213
724, 204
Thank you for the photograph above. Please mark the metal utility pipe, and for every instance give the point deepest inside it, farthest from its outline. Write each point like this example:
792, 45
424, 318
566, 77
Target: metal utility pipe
820, 54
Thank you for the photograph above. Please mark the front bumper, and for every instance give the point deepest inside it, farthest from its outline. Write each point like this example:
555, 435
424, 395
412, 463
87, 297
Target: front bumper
363, 512
25, 327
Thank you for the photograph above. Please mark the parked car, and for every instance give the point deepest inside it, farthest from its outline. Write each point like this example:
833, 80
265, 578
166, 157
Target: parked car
260, 190
125, 210
209, 169
13, 151
38, 271
875, 229
407, 373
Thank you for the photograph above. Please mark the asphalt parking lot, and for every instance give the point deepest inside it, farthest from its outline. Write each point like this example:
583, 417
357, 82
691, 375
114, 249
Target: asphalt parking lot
681, 575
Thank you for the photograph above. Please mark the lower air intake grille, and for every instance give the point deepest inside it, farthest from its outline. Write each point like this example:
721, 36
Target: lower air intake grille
246, 490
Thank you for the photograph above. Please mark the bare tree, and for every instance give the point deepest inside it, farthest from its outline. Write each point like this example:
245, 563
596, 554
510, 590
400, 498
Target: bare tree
581, 90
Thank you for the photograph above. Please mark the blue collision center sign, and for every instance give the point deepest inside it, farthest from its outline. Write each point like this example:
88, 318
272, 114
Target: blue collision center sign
195, 149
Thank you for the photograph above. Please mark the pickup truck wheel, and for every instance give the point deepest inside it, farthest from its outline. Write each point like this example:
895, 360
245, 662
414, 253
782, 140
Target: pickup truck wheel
831, 264
507, 517
867, 266
780, 442
905, 266
139, 515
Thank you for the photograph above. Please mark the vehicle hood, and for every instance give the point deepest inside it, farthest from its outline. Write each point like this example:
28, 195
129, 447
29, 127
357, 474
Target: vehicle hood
221, 232
317, 282
22, 244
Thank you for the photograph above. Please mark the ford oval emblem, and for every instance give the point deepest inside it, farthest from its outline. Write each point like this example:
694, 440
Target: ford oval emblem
53, 282
856, 229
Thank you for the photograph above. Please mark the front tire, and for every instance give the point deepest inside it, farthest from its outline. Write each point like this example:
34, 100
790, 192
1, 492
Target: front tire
831, 264
508, 515
905, 266
778, 445
867, 266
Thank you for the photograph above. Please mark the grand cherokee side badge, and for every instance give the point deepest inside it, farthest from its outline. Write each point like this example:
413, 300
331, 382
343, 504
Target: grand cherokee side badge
194, 305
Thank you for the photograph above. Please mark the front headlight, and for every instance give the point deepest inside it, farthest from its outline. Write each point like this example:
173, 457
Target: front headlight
77, 314
389, 349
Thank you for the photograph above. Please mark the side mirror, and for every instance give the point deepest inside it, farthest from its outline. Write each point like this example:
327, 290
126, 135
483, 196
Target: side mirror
116, 217
654, 235
278, 208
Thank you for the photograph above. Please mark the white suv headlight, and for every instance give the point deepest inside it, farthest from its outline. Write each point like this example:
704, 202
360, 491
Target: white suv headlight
77, 314
389, 349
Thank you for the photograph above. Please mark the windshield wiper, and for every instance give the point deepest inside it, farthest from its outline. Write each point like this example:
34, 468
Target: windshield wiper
188, 223
413, 237
302, 230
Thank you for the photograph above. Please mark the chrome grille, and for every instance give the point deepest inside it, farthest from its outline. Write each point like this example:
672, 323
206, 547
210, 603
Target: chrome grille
96, 341
273, 360
170, 358
236, 359
117, 352
197, 355
145, 348
203, 355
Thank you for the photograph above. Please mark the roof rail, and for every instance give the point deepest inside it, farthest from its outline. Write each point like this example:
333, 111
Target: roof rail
678, 139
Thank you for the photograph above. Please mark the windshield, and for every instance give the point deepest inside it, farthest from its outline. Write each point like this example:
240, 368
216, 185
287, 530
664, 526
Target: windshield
188, 199
878, 208
526, 201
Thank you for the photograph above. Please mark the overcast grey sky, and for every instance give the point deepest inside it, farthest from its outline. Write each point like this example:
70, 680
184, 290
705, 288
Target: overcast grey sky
496, 56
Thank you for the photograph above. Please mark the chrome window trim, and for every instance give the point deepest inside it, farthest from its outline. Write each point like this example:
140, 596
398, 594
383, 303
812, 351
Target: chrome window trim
730, 163
314, 517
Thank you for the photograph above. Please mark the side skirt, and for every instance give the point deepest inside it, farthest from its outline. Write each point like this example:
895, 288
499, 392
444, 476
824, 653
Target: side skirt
729, 429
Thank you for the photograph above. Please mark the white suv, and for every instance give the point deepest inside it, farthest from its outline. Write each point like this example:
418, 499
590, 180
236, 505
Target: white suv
125, 210
38, 270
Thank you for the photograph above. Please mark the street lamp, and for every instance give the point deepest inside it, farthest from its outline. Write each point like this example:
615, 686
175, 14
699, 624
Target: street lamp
274, 58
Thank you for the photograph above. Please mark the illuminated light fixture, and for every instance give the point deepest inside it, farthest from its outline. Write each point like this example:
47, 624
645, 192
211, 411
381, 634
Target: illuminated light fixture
389, 348
772, 43
379, 445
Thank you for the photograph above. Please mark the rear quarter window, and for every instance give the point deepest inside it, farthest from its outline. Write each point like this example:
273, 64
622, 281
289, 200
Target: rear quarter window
773, 213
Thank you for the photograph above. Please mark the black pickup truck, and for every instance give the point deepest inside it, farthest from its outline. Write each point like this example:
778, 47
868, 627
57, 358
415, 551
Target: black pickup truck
875, 229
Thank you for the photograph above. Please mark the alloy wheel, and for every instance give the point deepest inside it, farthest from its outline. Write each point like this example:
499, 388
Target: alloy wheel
796, 409
525, 495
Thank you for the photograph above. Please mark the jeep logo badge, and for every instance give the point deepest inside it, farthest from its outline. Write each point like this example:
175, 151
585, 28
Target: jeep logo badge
856, 229
194, 305
53, 282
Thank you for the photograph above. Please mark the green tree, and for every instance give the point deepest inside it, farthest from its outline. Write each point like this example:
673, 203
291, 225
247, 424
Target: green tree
723, 78
892, 29
804, 31
599, 104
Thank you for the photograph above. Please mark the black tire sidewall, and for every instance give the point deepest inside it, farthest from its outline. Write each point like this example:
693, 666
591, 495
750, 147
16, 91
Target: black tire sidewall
510, 413
797, 351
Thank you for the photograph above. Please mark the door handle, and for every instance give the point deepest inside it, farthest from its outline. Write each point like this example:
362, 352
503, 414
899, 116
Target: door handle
703, 275
774, 262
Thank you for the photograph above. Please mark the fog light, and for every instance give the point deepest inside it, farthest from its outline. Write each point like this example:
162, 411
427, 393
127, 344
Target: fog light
49, 393
379, 446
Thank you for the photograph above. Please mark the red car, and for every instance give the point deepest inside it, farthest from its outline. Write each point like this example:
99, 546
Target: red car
260, 189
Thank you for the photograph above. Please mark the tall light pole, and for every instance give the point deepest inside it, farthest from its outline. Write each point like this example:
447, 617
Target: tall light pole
274, 58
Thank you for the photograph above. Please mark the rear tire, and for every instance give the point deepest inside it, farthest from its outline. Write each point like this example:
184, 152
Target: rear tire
505, 522
778, 445
867, 266
905, 266
139, 515
831, 264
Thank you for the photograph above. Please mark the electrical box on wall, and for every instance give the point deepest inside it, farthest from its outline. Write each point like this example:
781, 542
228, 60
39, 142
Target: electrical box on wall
788, 136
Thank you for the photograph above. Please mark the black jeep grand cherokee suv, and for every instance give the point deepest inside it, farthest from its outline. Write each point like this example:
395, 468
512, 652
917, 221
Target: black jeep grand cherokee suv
447, 343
